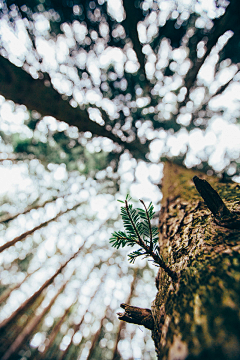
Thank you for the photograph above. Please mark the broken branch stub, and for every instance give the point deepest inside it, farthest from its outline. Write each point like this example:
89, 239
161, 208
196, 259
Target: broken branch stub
223, 216
137, 316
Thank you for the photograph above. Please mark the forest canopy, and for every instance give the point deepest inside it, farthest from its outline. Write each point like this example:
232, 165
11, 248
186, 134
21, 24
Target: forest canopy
152, 85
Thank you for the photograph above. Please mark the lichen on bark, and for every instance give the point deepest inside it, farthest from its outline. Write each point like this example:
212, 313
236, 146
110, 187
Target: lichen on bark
198, 316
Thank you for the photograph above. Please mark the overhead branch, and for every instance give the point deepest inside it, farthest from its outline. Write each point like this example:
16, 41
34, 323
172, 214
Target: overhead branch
35, 205
204, 104
133, 16
15, 157
221, 25
17, 85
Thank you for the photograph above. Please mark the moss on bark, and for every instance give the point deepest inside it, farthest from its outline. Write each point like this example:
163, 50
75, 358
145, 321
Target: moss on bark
199, 316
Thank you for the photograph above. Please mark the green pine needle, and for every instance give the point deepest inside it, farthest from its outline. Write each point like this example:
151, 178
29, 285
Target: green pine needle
138, 230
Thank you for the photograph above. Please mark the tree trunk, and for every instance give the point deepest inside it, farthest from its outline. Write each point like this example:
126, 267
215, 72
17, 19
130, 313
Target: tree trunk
197, 316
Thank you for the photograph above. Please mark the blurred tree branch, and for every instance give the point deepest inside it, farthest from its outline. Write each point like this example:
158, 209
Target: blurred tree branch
18, 86
229, 21
133, 16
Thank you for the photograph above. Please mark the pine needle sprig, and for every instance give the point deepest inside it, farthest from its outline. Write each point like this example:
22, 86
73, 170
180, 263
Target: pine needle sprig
139, 231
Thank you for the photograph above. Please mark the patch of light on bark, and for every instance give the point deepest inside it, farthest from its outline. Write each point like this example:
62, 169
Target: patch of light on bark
178, 349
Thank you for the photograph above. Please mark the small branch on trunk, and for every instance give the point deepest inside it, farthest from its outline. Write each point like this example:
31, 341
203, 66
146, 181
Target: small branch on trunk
223, 216
137, 223
137, 316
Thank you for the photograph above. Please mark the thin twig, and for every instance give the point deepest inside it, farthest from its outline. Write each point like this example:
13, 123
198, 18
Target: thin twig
140, 242
150, 227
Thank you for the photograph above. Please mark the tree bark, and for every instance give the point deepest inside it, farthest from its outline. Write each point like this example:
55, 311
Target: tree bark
197, 316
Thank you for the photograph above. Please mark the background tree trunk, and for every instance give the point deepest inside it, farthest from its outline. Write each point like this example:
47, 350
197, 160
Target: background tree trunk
198, 316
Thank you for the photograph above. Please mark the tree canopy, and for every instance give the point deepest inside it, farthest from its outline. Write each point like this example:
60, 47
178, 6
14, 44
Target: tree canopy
143, 74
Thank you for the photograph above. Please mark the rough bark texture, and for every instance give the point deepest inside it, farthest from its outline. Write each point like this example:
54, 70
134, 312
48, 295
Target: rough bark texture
198, 316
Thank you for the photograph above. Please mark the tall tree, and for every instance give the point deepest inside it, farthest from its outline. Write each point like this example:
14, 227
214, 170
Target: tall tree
95, 89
